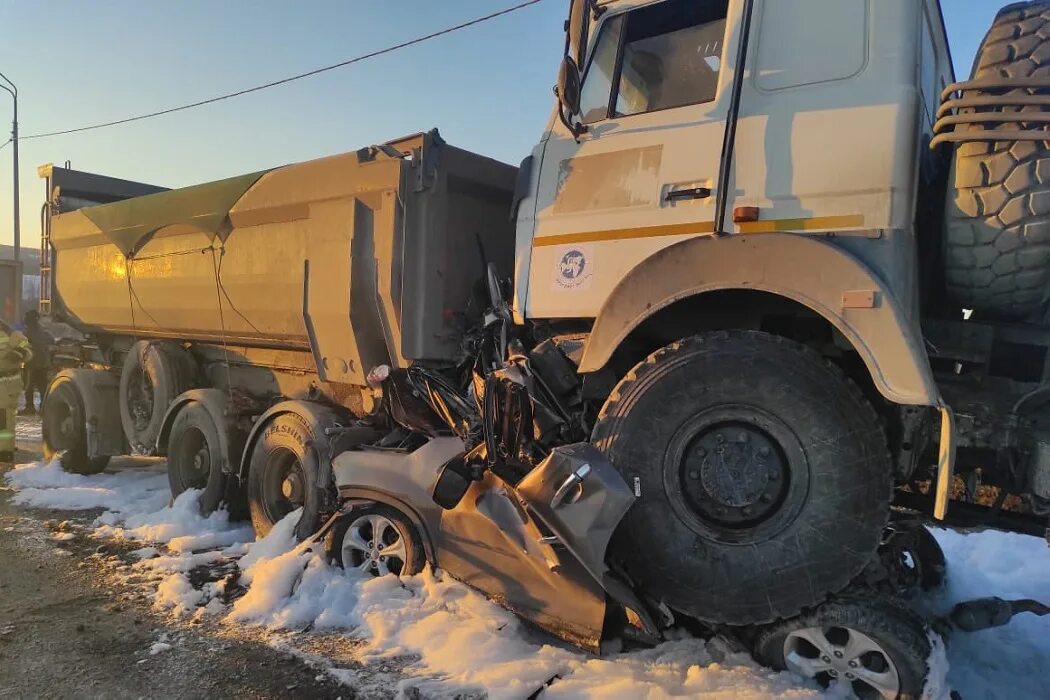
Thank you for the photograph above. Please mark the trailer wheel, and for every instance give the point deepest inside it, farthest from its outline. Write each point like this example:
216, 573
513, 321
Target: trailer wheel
875, 646
997, 238
195, 456
153, 375
763, 476
282, 476
378, 540
64, 433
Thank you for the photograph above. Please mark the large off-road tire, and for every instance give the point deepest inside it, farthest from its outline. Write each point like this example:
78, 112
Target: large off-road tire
153, 375
63, 426
283, 475
377, 540
887, 645
763, 474
195, 457
997, 238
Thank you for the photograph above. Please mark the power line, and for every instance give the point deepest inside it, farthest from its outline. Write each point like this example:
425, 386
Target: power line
5, 143
282, 81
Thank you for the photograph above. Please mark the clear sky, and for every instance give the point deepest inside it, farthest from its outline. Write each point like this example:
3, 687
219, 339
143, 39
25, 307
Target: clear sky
488, 88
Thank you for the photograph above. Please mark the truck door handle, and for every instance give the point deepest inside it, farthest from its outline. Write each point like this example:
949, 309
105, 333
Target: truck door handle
691, 193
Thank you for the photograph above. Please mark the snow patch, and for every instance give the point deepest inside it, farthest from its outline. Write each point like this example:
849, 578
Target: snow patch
1011, 566
454, 641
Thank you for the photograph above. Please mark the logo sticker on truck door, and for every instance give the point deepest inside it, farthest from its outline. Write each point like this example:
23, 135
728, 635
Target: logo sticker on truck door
574, 268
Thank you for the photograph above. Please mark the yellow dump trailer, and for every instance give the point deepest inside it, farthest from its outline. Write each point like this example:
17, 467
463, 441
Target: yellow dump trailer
289, 284
364, 258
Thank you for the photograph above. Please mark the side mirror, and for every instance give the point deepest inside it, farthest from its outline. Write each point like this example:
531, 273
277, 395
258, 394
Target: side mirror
569, 85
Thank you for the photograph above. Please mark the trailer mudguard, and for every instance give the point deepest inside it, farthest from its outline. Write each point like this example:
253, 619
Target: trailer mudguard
216, 403
321, 418
100, 395
802, 268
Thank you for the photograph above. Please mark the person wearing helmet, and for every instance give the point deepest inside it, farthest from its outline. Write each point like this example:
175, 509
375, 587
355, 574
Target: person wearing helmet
14, 353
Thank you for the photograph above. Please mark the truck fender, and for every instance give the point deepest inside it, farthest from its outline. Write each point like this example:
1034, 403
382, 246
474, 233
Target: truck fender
216, 403
807, 270
100, 395
319, 417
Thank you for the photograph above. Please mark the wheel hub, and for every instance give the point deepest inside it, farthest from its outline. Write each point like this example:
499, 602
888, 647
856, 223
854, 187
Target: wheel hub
292, 487
845, 655
734, 474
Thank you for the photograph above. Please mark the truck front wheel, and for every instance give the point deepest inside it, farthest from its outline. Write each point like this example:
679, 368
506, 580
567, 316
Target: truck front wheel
762, 474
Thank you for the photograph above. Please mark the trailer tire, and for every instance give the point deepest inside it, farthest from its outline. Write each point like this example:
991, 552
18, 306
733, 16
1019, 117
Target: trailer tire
195, 457
64, 436
153, 375
997, 237
762, 474
900, 636
283, 476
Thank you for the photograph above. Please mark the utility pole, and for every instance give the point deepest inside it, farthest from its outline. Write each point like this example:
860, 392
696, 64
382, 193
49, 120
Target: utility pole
13, 90
14, 147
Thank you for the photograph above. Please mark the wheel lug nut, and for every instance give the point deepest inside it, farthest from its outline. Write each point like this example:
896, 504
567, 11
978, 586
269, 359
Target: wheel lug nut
720, 438
850, 675
838, 654
832, 672
826, 659
853, 664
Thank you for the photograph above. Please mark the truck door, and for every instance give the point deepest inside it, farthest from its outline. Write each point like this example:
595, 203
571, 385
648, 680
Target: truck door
654, 97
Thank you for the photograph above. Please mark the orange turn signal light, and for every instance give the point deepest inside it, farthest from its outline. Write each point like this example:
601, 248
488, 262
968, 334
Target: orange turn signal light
743, 215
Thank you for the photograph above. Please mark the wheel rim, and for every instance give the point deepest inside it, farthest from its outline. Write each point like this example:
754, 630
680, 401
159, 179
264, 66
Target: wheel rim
374, 544
192, 458
736, 474
284, 484
139, 398
845, 655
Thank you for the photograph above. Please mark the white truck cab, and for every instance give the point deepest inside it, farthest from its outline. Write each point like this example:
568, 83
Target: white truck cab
837, 104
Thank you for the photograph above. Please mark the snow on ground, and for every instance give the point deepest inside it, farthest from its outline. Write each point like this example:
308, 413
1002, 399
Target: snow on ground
460, 642
28, 428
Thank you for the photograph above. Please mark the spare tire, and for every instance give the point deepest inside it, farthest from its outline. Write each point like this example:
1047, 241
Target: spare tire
762, 474
153, 375
997, 225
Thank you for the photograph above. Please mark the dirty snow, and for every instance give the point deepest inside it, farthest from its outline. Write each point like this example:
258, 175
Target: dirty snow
460, 642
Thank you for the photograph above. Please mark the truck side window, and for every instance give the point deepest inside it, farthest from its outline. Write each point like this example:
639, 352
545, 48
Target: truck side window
597, 85
665, 55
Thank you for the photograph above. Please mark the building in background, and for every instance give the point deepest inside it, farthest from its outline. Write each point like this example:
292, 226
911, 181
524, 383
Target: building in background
30, 281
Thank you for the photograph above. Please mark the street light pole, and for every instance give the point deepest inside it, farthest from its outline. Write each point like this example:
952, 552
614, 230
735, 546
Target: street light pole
14, 147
